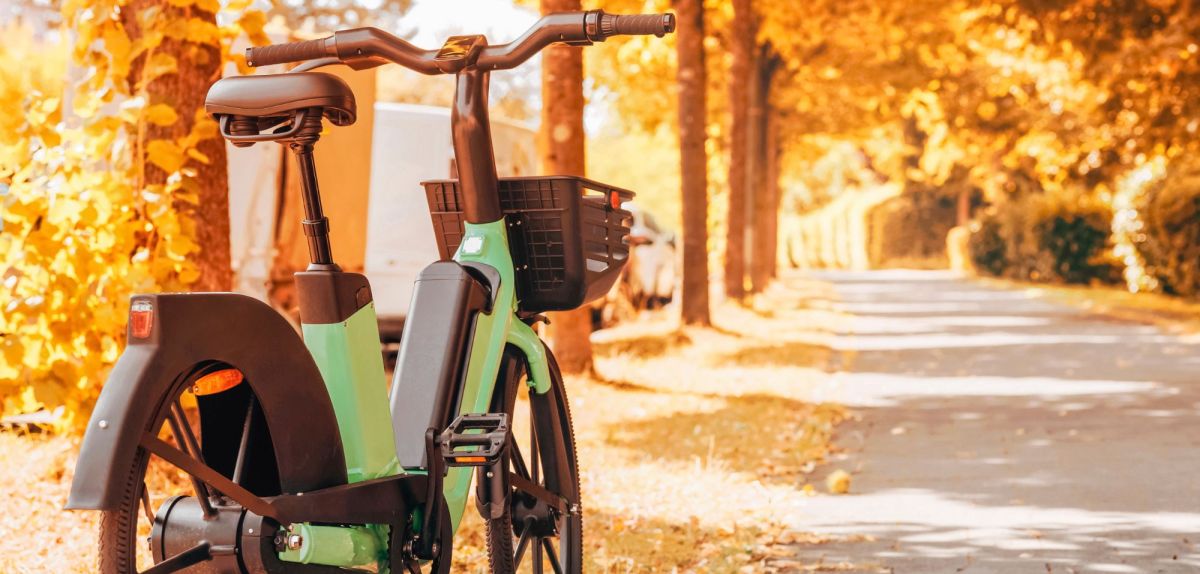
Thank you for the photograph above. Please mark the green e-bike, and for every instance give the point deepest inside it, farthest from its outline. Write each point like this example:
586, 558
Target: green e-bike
223, 442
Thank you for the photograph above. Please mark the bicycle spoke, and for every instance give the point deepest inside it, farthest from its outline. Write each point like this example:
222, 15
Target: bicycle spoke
523, 542
188, 438
183, 432
146, 503
552, 555
533, 449
192, 556
245, 442
537, 555
207, 475
518, 460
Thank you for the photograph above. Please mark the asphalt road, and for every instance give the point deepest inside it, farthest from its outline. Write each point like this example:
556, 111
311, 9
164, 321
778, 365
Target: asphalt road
1001, 432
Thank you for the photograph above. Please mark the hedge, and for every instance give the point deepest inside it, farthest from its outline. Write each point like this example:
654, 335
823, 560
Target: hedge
1047, 238
1169, 242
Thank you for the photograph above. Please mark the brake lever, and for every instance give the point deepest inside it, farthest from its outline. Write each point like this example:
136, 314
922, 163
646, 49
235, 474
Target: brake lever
354, 63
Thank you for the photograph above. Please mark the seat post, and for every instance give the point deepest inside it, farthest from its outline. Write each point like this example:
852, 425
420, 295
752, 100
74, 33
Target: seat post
316, 225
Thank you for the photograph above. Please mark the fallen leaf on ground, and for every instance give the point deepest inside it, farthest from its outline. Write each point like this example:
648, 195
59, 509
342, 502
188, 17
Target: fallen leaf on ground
838, 482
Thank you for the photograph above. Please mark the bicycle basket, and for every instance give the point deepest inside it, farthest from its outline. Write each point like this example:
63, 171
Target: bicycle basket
568, 235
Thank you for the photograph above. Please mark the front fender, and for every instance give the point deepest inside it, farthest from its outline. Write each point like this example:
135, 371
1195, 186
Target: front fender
190, 329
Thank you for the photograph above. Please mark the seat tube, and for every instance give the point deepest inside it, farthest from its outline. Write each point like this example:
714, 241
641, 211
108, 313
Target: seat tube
472, 133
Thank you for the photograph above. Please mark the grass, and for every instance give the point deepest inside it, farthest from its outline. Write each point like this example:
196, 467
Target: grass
695, 446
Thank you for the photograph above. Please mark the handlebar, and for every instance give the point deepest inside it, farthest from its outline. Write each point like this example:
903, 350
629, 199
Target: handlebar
373, 44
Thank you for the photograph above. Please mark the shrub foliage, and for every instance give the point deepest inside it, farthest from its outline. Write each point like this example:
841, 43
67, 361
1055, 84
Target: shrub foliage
1169, 242
1044, 237
81, 228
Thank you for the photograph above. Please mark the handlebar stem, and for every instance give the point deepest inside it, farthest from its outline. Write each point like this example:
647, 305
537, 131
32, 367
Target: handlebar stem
476, 159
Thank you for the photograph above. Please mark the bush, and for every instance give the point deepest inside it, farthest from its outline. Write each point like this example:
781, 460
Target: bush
987, 247
910, 230
1170, 239
1046, 238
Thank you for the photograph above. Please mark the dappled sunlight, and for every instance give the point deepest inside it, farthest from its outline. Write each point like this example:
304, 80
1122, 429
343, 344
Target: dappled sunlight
699, 442
957, 532
950, 341
883, 389
1047, 440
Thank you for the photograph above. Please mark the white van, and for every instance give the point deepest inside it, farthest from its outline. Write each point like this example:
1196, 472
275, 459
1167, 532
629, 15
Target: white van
411, 144
408, 144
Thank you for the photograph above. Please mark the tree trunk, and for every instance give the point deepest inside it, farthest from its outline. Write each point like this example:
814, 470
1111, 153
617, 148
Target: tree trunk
199, 65
963, 208
741, 70
774, 196
692, 80
563, 154
765, 205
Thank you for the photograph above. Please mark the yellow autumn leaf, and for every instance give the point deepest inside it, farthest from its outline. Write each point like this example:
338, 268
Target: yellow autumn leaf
838, 482
987, 110
161, 115
157, 66
166, 155
252, 23
198, 156
201, 31
118, 46
212, 6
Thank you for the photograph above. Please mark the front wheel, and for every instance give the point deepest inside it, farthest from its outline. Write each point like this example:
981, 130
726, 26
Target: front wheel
531, 530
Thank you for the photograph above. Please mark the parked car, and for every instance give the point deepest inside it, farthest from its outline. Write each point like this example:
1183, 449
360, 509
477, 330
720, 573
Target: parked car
652, 261
648, 280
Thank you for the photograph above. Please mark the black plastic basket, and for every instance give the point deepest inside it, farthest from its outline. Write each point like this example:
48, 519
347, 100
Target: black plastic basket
568, 235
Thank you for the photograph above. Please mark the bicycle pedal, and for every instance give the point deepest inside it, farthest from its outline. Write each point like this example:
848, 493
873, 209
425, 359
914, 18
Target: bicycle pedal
475, 440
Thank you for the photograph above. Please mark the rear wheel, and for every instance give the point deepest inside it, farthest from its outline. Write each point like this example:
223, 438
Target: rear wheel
241, 450
542, 527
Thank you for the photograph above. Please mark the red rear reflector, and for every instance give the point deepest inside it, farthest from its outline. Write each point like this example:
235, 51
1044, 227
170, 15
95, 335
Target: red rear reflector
141, 319
615, 199
217, 382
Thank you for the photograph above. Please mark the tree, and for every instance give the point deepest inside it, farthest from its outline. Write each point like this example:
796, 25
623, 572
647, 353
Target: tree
562, 141
108, 191
764, 202
198, 63
741, 171
692, 84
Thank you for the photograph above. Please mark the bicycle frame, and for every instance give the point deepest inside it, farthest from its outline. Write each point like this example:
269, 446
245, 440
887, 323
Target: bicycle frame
350, 491
352, 368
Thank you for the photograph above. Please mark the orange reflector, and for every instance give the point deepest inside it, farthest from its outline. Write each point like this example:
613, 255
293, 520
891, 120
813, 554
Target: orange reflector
614, 199
217, 382
468, 459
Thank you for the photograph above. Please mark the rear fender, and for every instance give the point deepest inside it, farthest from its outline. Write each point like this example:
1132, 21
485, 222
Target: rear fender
190, 331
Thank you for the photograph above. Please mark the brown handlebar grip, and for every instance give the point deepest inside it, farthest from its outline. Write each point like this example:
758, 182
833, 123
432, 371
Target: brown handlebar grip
286, 53
637, 24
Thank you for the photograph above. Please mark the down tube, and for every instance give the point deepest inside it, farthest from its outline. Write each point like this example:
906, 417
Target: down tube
485, 243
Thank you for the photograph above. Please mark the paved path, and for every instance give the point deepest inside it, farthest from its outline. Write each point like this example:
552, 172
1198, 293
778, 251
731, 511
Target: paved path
1001, 432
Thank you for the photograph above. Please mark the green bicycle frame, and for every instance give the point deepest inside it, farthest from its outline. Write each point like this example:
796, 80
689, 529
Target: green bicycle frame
347, 355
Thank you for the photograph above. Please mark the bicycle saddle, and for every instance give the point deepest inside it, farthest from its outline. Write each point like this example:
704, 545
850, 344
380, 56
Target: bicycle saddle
282, 95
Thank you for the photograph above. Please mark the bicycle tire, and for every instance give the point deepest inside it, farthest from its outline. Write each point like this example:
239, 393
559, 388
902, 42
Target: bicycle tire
559, 472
